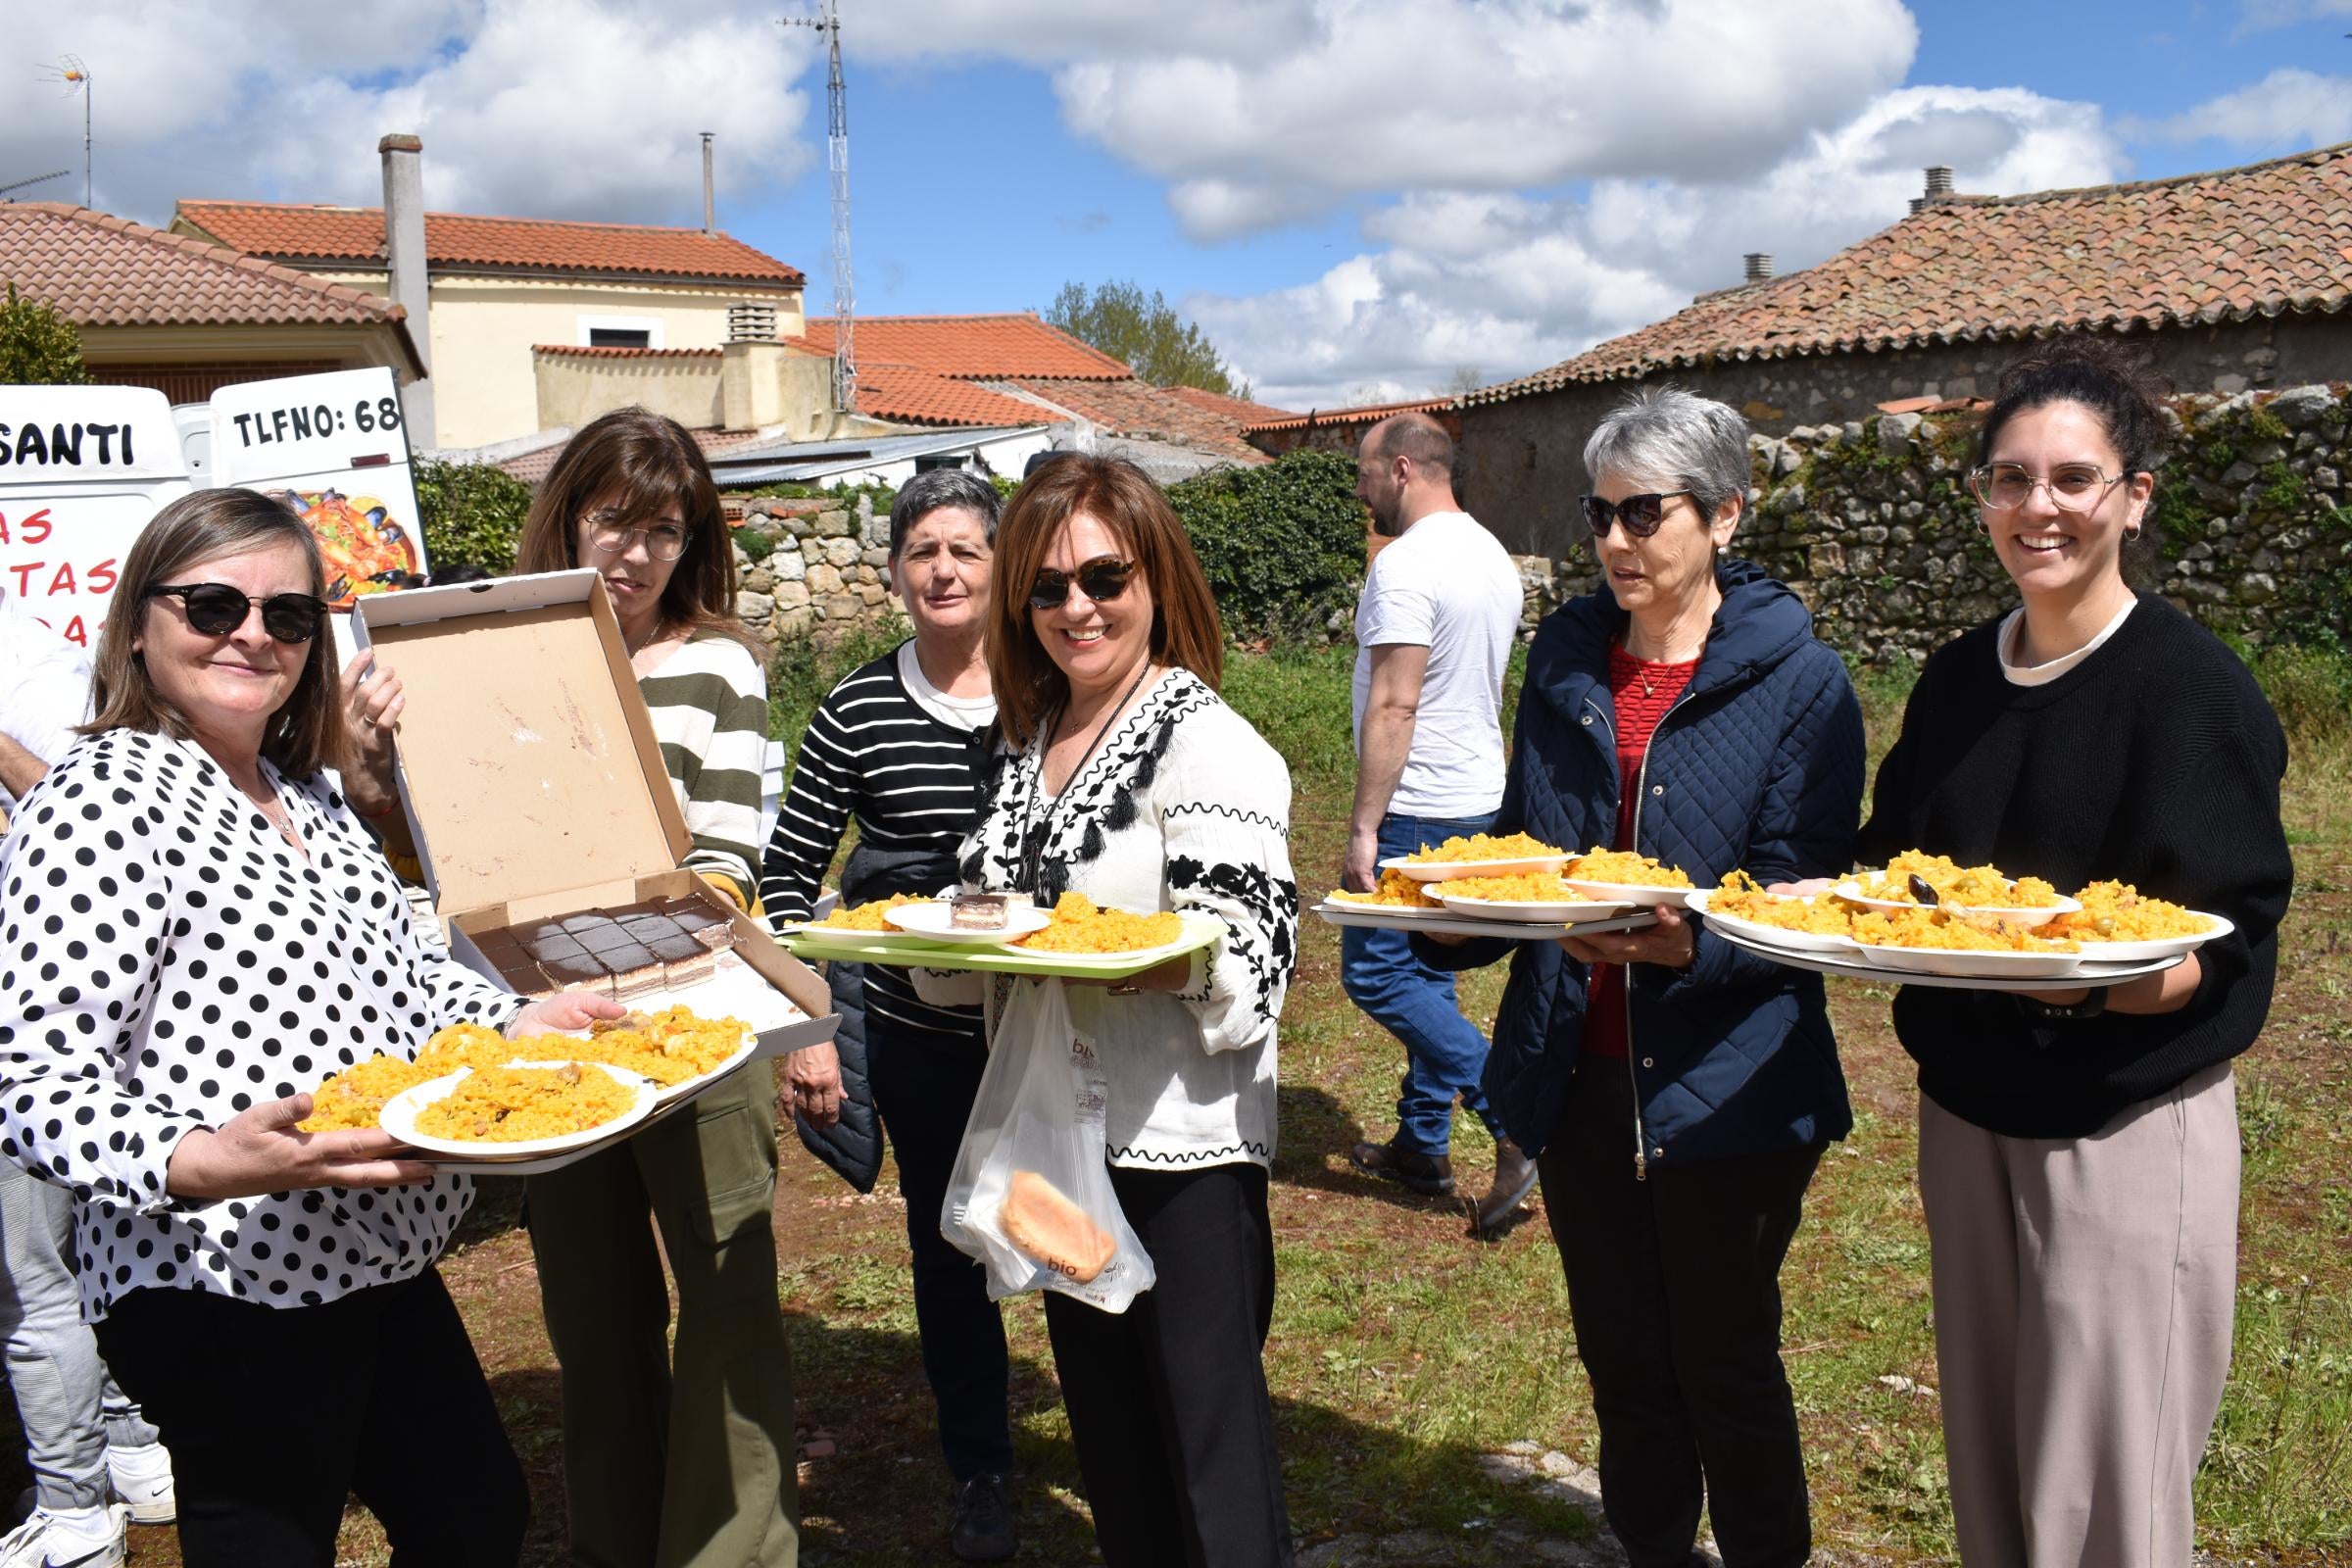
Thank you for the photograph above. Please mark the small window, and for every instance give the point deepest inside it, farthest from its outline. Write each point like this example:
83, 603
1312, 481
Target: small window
619, 337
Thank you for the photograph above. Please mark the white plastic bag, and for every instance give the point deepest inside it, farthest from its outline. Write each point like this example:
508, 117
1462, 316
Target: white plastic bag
1031, 1195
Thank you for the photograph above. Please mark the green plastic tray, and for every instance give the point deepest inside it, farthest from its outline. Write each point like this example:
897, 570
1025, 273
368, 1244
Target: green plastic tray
815, 943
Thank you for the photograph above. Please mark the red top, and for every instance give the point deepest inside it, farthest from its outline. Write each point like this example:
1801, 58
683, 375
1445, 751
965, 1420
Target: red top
1643, 690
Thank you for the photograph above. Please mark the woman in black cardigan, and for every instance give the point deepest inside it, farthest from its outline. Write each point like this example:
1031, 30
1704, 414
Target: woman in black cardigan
2078, 1155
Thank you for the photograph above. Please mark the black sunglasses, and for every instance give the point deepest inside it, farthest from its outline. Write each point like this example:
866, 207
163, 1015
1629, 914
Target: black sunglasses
1100, 579
217, 610
1640, 514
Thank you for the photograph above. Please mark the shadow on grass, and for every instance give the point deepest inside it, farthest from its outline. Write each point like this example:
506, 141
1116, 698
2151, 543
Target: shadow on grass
1317, 1134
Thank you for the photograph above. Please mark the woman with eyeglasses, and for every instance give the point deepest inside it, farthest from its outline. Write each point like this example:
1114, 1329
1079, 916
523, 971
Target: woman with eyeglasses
1126, 778
1677, 1092
2079, 1149
691, 1460
195, 929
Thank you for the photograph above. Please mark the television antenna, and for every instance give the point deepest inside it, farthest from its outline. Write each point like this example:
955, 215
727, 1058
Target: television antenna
37, 179
837, 151
75, 78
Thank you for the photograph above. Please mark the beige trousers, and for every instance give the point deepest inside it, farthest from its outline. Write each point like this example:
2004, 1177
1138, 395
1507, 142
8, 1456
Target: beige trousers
2084, 1290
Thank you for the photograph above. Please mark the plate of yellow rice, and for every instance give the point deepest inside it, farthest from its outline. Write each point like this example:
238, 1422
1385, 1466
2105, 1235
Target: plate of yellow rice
1802, 924
1477, 854
1933, 941
2116, 922
1625, 877
520, 1111
1977, 893
1529, 896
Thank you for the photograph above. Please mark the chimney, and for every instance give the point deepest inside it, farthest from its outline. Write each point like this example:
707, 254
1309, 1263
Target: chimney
751, 321
1759, 266
404, 255
1939, 182
1919, 204
709, 208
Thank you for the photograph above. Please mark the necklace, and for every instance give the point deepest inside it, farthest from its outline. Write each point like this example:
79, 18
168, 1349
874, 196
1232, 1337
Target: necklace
1035, 833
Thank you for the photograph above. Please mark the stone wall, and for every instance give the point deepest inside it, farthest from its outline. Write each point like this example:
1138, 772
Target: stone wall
1522, 461
1870, 521
821, 572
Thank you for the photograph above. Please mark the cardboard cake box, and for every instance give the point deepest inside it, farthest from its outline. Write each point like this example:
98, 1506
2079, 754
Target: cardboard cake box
531, 780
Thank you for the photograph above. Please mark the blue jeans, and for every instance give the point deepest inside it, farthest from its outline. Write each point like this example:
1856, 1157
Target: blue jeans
1444, 1052
67, 1402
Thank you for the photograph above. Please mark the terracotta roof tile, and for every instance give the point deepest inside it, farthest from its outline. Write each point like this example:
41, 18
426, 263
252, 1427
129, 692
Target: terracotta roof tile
100, 270
1240, 411
1138, 409
323, 233
1364, 413
973, 347
584, 350
533, 466
916, 395
2266, 239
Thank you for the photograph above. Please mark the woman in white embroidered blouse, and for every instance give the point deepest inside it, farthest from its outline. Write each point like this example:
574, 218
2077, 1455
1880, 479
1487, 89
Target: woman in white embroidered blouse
1127, 778
194, 930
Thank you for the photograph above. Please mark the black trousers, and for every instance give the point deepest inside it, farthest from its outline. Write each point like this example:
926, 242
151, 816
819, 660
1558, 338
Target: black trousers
273, 1414
924, 1085
1674, 1285
1168, 1406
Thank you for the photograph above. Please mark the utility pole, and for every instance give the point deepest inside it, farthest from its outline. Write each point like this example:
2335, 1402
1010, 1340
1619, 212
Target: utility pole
837, 150
709, 201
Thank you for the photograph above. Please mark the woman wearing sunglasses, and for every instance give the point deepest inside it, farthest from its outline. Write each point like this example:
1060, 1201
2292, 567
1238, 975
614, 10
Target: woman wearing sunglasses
197, 929
2079, 1150
1127, 779
1677, 1092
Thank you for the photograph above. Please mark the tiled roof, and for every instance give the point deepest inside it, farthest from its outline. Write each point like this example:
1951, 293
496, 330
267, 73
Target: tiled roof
533, 466
100, 270
1363, 414
318, 232
1135, 407
971, 347
916, 395
2267, 240
1240, 411
585, 350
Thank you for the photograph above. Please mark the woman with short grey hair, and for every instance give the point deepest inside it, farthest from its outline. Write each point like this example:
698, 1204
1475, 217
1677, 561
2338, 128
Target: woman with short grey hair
899, 746
1676, 1092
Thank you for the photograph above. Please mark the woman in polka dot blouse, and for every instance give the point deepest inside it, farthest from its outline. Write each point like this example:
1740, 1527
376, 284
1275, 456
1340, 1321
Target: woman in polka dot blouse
194, 929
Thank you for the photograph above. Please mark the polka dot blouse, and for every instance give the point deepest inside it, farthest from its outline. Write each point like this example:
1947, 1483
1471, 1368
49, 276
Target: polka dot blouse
167, 959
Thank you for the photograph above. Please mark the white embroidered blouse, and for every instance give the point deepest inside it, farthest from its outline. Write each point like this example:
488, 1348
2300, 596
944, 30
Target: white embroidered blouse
1183, 807
166, 959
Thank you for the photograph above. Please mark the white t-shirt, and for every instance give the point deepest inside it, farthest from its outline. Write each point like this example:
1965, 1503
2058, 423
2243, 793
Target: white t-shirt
2012, 640
44, 686
970, 715
1447, 585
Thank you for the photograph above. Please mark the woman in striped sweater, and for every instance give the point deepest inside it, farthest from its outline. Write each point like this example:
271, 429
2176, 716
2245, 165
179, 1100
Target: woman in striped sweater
691, 1465
900, 747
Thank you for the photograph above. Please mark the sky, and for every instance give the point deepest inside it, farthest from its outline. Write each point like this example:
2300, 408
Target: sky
1357, 199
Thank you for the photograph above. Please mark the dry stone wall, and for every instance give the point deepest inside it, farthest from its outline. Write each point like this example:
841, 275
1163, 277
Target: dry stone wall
813, 569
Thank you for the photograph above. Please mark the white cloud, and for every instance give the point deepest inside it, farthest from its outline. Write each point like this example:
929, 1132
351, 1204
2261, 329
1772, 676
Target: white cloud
2287, 110
2261, 16
1510, 283
542, 108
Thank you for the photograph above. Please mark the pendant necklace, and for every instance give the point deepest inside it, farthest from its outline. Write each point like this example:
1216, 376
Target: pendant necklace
1034, 833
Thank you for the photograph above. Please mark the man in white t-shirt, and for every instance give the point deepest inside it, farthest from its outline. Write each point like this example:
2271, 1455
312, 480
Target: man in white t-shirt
1434, 632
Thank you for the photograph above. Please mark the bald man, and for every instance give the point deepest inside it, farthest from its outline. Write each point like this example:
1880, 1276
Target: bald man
1433, 633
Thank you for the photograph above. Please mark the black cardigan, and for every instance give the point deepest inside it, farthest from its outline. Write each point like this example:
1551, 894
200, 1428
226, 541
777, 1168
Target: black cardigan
2155, 762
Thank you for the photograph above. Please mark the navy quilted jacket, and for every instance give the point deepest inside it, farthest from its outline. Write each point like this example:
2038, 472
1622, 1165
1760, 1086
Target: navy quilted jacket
1758, 766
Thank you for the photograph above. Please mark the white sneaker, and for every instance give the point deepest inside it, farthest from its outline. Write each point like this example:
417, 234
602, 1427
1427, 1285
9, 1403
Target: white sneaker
142, 1480
78, 1538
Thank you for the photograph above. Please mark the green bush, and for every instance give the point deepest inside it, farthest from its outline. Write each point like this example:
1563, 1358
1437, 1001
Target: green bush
37, 346
804, 669
1283, 545
2310, 688
755, 545
472, 515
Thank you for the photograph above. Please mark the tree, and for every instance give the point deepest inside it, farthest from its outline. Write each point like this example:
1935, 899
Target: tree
1465, 379
37, 346
1157, 344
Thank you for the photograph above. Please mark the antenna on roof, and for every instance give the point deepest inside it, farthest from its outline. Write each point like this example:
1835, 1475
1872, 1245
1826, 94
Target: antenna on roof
837, 150
76, 78
36, 179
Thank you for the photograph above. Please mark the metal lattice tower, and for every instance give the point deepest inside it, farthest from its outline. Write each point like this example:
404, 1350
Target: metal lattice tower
837, 152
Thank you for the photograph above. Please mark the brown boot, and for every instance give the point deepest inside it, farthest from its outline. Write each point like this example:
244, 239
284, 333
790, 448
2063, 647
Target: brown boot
1431, 1175
1514, 1179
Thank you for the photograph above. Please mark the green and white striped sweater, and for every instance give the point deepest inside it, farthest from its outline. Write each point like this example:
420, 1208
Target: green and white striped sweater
710, 708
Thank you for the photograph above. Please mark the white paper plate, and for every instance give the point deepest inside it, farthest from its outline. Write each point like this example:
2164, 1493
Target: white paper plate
934, 922
1647, 897
1547, 911
1454, 870
704, 1080
2024, 919
2157, 947
1774, 934
1969, 965
400, 1113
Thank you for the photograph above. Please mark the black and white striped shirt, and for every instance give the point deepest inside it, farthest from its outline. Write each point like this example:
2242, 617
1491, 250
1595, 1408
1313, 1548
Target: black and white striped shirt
914, 783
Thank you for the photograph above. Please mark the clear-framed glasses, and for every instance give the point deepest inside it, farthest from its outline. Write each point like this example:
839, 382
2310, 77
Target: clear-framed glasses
2072, 486
611, 533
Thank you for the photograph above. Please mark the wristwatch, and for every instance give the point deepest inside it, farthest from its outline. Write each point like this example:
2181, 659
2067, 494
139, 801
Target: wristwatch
2090, 1006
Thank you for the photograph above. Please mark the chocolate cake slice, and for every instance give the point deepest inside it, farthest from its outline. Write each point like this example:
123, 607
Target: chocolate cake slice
581, 973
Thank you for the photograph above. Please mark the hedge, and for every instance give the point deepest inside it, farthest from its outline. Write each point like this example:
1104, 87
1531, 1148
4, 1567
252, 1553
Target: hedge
1283, 545
472, 515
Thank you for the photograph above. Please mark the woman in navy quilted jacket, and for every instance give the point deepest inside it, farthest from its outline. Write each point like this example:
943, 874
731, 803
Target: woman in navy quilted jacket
1678, 1093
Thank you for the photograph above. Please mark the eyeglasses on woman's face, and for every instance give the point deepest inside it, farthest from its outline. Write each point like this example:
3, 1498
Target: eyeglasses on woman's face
2071, 487
1641, 515
1101, 579
217, 610
611, 533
